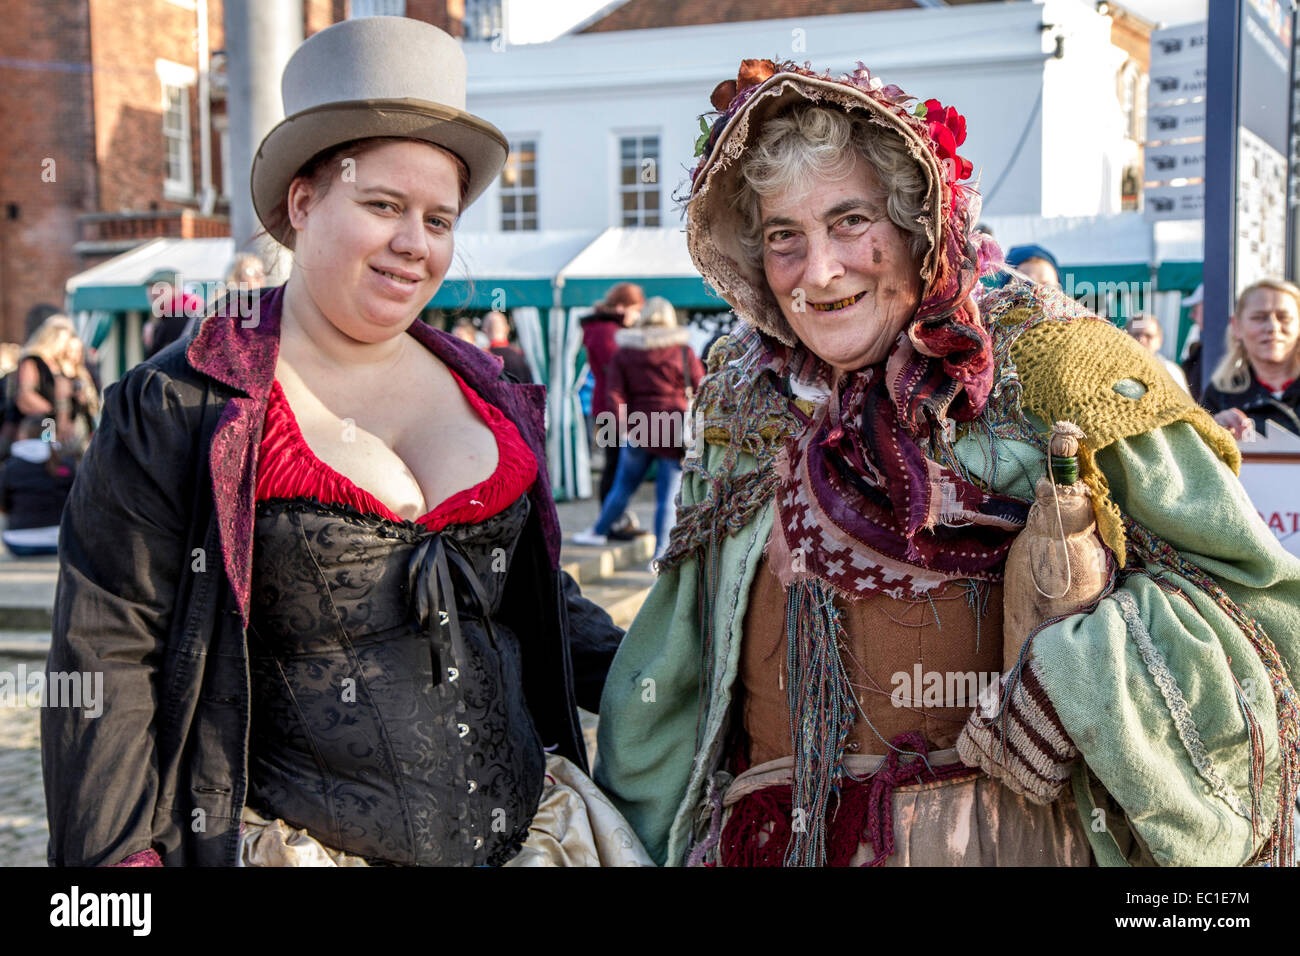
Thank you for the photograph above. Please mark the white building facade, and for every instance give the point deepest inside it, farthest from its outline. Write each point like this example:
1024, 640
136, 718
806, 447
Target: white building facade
603, 126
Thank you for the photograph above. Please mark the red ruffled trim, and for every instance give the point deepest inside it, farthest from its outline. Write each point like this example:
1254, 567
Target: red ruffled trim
288, 468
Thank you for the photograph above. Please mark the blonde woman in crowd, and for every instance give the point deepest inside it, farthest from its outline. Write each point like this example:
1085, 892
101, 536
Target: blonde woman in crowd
40, 386
1256, 382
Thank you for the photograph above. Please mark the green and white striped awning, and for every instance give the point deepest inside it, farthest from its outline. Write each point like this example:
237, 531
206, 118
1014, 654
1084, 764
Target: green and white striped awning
118, 285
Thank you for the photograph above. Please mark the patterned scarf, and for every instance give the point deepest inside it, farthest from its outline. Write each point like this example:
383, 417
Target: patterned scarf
860, 503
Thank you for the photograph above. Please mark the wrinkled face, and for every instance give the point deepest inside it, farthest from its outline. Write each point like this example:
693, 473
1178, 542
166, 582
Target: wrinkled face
1268, 327
375, 247
841, 271
1040, 270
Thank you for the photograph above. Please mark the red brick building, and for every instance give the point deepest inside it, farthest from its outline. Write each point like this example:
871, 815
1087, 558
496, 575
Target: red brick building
110, 109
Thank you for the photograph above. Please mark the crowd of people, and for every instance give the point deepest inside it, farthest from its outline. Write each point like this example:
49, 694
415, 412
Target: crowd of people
1255, 382
52, 402
646, 373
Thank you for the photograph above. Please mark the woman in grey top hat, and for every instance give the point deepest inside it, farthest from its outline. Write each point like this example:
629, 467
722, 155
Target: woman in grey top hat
313, 551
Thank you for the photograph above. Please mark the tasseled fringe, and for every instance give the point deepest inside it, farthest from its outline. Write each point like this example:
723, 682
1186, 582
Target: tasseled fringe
821, 715
761, 826
1257, 757
764, 813
880, 801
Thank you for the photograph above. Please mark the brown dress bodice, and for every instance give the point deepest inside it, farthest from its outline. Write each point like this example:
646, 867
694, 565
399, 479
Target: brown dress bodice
893, 648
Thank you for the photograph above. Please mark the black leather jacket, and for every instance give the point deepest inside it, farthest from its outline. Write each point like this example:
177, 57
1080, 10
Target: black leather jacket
153, 592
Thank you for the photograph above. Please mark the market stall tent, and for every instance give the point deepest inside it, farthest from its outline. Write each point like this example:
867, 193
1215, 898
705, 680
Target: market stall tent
508, 270
655, 259
110, 303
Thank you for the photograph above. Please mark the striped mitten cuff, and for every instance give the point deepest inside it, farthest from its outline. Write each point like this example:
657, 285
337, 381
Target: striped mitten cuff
1026, 748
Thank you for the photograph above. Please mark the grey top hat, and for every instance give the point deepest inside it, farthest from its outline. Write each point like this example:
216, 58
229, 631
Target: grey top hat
374, 76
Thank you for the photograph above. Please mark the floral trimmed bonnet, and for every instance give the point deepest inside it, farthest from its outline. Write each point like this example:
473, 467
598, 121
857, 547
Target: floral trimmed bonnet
947, 325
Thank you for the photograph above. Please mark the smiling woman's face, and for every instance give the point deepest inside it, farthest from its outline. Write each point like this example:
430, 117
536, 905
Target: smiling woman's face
842, 272
1269, 326
375, 247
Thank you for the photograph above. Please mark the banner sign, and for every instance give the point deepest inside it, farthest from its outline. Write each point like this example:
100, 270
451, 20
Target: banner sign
1175, 161
1175, 202
1177, 82
1274, 489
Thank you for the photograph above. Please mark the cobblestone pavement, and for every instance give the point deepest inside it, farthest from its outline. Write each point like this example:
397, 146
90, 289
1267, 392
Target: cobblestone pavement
23, 833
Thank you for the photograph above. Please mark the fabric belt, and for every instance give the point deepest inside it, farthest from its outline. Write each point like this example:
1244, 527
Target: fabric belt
781, 771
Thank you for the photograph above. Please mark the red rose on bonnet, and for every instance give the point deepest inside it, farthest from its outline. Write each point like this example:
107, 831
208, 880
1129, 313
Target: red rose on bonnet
948, 131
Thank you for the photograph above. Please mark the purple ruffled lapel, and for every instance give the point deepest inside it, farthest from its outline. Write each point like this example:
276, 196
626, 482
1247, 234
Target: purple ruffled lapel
244, 358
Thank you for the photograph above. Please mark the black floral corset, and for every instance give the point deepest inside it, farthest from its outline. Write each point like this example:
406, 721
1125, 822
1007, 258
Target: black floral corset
388, 715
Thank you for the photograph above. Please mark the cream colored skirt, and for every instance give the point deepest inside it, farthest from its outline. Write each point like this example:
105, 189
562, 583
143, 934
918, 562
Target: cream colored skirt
575, 825
971, 821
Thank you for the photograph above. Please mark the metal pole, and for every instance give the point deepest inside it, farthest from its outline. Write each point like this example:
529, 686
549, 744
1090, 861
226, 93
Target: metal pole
1220, 180
1293, 220
207, 194
261, 35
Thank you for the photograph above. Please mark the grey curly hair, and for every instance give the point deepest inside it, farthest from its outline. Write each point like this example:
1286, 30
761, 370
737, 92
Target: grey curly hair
810, 142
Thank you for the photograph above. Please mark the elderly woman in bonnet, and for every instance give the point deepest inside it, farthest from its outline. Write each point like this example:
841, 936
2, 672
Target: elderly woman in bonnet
831, 675
314, 551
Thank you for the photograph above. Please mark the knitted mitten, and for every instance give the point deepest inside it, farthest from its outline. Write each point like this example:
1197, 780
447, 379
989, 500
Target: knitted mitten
1025, 747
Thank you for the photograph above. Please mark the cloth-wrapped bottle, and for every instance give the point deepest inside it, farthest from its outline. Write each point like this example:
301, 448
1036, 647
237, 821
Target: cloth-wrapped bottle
1057, 566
